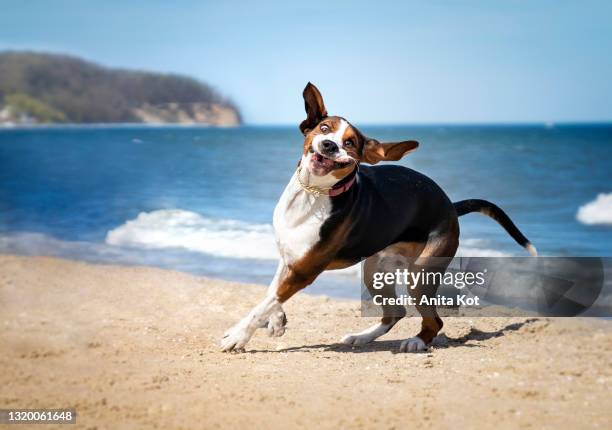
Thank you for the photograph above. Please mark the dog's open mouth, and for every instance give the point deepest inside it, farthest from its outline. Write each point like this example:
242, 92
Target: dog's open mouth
320, 162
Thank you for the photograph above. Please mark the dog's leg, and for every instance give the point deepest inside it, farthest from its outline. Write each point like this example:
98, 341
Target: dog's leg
396, 254
436, 256
238, 336
371, 333
268, 313
278, 320
286, 282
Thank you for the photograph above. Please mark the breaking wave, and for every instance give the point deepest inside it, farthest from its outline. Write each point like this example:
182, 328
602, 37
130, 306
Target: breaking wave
176, 228
599, 211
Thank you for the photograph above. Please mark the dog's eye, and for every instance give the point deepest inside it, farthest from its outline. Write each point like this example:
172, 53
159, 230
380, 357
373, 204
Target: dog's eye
324, 128
348, 143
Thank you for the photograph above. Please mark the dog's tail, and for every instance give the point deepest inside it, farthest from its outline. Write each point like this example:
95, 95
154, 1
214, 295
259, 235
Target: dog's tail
491, 210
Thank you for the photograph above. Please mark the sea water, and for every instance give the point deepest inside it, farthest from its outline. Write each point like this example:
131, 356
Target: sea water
200, 199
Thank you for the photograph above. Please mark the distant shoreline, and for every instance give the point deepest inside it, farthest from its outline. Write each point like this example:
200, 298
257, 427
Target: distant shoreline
33, 90
248, 125
112, 125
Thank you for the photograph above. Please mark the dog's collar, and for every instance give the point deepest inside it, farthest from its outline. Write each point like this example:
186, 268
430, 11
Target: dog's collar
340, 187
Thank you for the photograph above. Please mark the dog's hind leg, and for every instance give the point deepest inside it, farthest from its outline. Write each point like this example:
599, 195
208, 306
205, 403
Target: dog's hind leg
434, 259
372, 333
396, 255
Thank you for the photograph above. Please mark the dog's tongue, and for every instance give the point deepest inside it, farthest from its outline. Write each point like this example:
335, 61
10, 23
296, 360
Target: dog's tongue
327, 162
324, 161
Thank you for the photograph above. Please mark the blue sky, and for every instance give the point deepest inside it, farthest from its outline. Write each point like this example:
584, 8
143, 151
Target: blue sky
375, 61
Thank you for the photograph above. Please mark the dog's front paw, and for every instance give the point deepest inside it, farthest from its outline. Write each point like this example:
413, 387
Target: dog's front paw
414, 344
277, 323
235, 339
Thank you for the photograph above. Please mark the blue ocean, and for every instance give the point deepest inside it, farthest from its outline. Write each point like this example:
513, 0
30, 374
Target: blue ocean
200, 200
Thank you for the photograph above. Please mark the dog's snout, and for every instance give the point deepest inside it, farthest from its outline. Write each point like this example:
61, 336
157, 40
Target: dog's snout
329, 146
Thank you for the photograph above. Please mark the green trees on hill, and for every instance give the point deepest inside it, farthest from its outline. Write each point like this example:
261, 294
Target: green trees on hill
58, 88
21, 105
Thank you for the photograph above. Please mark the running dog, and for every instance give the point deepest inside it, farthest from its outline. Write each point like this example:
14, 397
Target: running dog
336, 212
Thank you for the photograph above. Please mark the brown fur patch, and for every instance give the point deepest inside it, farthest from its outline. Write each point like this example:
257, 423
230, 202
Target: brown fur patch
304, 271
406, 249
340, 264
342, 173
375, 151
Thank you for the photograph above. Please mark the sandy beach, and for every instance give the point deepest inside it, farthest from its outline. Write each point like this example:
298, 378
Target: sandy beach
135, 347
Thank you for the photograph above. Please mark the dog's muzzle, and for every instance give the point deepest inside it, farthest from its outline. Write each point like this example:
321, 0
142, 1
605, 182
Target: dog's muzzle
328, 147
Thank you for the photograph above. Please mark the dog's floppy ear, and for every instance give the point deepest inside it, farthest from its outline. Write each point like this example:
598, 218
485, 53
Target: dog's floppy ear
374, 151
315, 109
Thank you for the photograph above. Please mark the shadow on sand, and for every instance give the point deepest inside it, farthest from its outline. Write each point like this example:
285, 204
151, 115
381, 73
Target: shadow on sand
441, 341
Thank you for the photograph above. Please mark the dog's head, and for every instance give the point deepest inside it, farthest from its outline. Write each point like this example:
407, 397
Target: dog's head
333, 146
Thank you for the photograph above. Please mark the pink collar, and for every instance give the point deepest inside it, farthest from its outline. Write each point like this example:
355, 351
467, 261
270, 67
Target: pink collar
340, 188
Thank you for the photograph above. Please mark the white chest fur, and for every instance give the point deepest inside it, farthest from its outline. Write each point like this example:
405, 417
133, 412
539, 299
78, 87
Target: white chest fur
298, 217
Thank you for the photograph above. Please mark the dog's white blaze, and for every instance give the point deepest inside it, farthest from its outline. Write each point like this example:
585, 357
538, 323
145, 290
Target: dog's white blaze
336, 136
298, 217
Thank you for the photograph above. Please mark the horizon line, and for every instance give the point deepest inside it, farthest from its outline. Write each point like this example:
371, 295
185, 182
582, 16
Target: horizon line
544, 124
453, 123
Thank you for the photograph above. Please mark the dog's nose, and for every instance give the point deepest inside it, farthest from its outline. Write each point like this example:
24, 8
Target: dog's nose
329, 146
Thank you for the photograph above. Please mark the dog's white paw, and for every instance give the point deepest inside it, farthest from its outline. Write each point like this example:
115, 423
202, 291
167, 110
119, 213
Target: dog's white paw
366, 336
235, 339
414, 344
357, 339
277, 323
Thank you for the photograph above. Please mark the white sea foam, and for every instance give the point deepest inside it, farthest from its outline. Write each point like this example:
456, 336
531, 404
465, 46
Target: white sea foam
599, 211
175, 228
